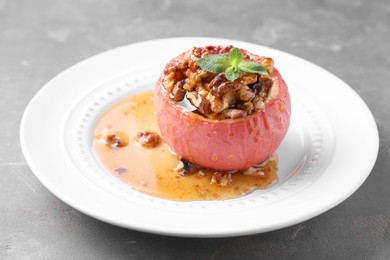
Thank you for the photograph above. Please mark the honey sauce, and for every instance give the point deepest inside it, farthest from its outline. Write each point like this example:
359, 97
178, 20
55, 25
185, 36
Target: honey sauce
154, 170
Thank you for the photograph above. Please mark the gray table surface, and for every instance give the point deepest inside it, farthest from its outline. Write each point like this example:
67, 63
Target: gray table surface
39, 39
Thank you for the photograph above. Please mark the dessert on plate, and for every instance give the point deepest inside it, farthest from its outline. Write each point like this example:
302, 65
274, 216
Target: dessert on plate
208, 130
222, 107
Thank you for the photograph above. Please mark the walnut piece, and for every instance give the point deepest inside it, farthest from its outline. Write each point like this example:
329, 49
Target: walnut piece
114, 139
185, 168
222, 179
148, 139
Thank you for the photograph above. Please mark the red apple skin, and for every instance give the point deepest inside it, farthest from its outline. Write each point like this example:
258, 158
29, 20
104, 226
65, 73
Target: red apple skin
230, 144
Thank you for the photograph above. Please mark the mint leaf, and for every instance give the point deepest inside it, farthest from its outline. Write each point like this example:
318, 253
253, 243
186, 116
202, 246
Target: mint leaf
235, 57
232, 73
215, 63
232, 65
252, 67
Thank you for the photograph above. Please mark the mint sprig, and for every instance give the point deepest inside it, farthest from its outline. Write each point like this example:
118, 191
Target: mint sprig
215, 63
232, 65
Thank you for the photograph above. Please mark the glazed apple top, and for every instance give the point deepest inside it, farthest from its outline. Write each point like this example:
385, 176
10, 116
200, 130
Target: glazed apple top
220, 82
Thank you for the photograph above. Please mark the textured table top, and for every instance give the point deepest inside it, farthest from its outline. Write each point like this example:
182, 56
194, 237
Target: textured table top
39, 39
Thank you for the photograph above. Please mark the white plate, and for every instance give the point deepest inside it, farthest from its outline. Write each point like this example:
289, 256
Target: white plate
328, 152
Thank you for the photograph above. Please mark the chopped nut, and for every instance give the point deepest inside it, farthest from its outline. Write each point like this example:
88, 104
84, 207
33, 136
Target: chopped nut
199, 101
114, 139
226, 49
148, 139
193, 65
265, 81
224, 88
254, 171
194, 98
268, 63
248, 78
210, 49
229, 99
258, 103
234, 113
220, 85
196, 51
201, 173
182, 64
169, 81
178, 92
195, 78
217, 104
245, 94
185, 167
248, 107
218, 80
202, 91
221, 178
262, 86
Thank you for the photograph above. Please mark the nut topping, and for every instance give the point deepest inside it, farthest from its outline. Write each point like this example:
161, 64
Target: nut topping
148, 139
213, 95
